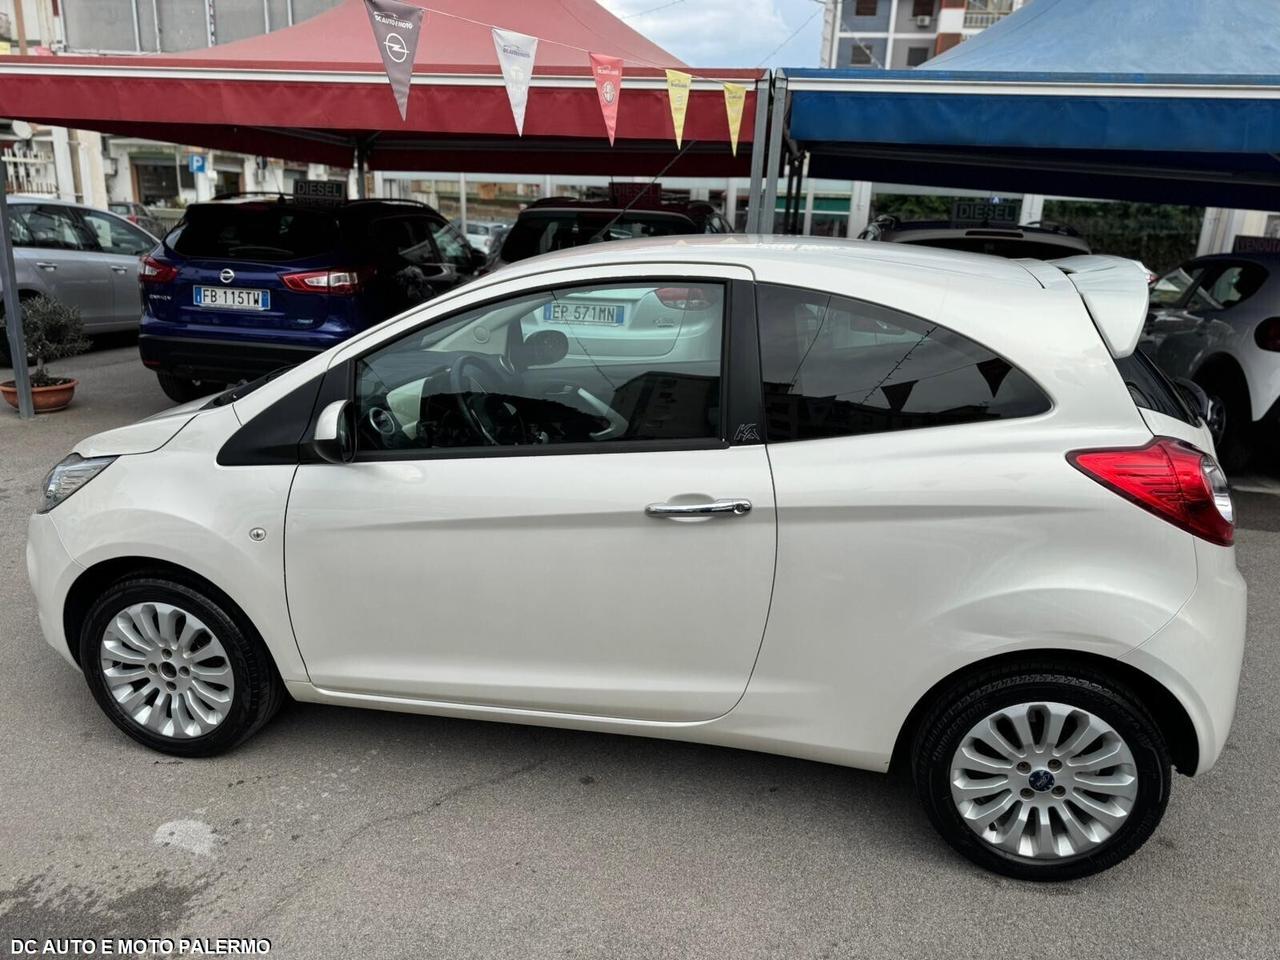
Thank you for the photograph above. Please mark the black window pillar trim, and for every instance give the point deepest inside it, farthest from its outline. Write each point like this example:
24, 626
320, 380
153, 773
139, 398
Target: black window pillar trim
744, 420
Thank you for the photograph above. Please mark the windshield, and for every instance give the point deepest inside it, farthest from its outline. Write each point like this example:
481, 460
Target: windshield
252, 232
544, 231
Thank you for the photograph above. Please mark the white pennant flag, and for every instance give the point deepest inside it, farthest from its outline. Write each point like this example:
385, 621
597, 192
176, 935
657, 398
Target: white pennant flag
515, 55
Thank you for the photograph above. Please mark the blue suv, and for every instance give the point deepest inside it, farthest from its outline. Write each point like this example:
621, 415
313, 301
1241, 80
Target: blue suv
240, 288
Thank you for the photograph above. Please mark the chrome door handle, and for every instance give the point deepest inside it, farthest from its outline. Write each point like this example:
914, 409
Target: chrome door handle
115, 269
46, 265
731, 508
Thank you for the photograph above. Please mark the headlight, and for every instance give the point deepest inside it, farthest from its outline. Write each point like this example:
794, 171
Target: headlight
68, 477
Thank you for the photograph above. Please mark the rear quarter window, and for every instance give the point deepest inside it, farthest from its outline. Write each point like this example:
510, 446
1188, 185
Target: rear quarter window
1152, 390
547, 231
241, 232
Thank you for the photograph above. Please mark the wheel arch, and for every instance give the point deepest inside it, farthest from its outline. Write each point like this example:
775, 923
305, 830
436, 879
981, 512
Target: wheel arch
1169, 714
90, 584
1223, 364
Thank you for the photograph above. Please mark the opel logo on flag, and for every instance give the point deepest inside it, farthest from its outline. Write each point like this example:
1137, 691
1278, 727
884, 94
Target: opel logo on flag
396, 29
226, 276
395, 47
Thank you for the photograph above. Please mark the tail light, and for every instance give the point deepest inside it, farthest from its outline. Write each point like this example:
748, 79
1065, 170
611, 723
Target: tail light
151, 270
1171, 479
133, 218
1267, 334
683, 298
336, 282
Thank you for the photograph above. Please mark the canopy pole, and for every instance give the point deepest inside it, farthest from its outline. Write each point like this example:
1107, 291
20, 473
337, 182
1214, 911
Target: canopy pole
12, 307
362, 151
777, 133
759, 145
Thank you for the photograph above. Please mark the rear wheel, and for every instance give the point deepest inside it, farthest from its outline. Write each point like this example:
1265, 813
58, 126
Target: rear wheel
174, 668
184, 390
1230, 419
1042, 775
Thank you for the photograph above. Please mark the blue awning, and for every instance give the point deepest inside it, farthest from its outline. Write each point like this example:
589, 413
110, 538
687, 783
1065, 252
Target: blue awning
1092, 119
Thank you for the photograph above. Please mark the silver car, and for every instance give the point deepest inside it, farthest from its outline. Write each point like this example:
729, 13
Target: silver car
81, 256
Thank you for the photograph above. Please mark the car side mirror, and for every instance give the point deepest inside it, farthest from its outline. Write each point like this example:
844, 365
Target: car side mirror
1195, 396
334, 437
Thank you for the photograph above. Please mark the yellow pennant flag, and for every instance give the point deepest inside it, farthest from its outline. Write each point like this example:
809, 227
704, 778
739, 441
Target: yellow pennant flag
735, 98
678, 86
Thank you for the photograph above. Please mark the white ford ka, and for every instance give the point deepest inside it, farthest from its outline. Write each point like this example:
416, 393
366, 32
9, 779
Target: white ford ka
860, 503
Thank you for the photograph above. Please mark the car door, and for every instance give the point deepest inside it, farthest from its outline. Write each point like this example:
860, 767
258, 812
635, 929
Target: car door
609, 552
120, 244
57, 248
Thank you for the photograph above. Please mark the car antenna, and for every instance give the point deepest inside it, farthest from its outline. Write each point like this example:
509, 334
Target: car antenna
640, 193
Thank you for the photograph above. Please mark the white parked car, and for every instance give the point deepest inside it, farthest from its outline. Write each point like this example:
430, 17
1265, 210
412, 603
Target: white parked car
862, 503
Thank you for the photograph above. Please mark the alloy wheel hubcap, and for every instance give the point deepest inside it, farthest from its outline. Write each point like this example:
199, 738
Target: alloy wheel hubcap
167, 671
1043, 780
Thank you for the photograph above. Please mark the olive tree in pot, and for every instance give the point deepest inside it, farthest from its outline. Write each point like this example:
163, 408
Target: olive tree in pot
53, 331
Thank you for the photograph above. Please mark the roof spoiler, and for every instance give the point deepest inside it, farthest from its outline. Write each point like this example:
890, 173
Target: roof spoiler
1114, 291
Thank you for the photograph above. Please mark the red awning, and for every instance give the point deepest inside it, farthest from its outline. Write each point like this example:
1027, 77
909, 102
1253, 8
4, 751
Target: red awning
313, 91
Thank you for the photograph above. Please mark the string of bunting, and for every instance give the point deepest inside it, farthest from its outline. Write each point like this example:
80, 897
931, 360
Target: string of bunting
397, 27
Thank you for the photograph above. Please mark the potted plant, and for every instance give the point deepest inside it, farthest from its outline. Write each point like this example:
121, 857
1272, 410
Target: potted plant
53, 331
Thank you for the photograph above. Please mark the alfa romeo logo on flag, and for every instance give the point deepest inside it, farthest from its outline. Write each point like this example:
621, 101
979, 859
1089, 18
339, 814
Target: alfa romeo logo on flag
609, 92
396, 27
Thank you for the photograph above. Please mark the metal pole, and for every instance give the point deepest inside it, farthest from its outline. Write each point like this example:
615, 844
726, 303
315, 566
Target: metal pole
759, 145
266, 16
462, 201
155, 21
361, 151
137, 26
777, 133
12, 308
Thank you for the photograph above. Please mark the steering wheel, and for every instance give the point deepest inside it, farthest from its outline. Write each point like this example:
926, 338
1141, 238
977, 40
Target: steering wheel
467, 379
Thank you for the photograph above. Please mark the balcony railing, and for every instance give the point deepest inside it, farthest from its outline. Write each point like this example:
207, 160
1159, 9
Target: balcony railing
981, 19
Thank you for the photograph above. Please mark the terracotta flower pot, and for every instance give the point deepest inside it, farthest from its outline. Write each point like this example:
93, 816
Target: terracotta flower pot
44, 399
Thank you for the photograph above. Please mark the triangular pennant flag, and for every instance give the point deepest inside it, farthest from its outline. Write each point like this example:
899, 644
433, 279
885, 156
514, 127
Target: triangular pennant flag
678, 85
898, 393
608, 74
516, 53
735, 98
396, 28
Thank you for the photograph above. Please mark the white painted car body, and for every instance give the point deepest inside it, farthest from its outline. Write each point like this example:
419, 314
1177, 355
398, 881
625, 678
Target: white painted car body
534, 589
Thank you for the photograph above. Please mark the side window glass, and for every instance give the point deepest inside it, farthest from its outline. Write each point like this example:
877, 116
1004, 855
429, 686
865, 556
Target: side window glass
583, 365
1234, 286
1169, 289
115, 236
453, 245
837, 367
18, 216
56, 228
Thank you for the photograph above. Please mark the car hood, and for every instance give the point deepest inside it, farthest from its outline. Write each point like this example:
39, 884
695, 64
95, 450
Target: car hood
143, 436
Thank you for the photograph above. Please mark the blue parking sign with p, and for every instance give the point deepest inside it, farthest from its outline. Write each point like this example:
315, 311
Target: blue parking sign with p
198, 163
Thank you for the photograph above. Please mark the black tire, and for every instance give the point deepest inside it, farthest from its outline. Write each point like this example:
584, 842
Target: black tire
1233, 440
258, 691
184, 390
957, 710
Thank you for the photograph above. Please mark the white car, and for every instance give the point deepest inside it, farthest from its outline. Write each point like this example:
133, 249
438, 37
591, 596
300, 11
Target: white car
859, 502
480, 235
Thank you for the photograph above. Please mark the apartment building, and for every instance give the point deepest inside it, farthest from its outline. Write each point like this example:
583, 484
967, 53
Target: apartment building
896, 34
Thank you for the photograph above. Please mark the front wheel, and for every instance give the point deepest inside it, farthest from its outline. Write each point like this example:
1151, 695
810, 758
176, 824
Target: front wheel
1042, 775
174, 668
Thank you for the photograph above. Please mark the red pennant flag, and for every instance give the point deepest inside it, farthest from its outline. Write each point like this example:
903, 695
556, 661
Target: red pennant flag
608, 74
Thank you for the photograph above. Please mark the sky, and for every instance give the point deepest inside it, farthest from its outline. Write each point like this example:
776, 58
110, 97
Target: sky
729, 33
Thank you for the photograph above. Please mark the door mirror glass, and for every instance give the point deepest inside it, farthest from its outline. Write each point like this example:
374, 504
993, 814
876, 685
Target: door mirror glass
334, 438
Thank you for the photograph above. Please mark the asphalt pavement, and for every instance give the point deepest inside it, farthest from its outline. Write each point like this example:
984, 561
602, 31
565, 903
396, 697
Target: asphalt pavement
339, 833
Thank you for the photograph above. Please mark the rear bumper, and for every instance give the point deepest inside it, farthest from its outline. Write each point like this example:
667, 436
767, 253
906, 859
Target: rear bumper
1197, 655
221, 361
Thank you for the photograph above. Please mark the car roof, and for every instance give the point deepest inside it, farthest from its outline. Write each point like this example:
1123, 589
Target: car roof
1266, 259
778, 255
